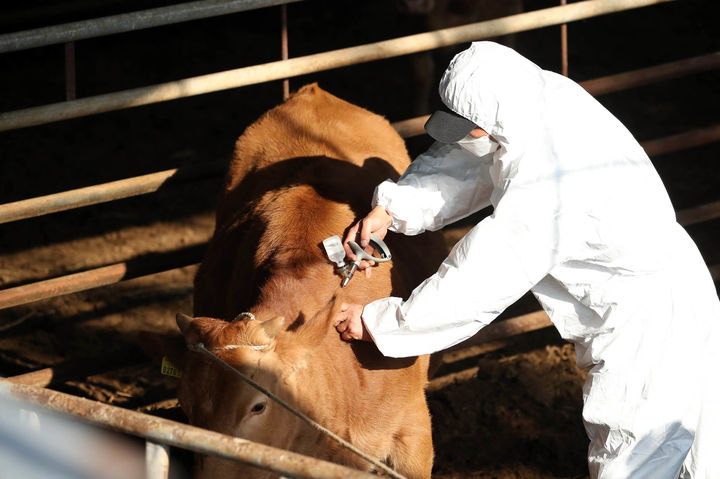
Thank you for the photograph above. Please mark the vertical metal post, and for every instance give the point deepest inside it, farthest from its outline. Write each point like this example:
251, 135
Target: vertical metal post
157, 460
70, 71
563, 44
284, 47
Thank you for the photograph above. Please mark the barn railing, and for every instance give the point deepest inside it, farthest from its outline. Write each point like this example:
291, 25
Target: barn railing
293, 67
160, 432
407, 128
161, 262
128, 22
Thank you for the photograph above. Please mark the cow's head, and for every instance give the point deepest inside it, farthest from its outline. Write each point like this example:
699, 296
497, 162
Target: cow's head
217, 399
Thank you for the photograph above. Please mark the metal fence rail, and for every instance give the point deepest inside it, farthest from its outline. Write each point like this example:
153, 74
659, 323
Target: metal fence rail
142, 266
643, 76
128, 22
698, 214
161, 262
105, 192
406, 128
293, 67
164, 431
682, 141
140, 185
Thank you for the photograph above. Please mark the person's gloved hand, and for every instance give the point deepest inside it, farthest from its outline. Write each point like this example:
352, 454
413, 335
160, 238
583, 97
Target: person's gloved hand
377, 221
349, 324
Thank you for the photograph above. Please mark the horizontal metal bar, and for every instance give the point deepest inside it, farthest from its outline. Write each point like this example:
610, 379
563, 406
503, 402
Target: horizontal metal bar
657, 147
411, 127
79, 368
643, 76
140, 185
682, 141
73, 283
127, 22
501, 330
314, 63
508, 328
441, 382
496, 336
176, 434
607, 84
122, 271
105, 192
162, 262
698, 214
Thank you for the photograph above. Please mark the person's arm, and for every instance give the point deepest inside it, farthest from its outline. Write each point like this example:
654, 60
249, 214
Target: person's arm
441, 186
490, 268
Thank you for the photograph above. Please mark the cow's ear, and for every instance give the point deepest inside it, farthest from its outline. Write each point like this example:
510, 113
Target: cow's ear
183, 321
158, 345
273, 326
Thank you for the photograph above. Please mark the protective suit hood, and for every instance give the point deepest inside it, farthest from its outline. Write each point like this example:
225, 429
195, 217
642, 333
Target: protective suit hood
554, 135
497, 89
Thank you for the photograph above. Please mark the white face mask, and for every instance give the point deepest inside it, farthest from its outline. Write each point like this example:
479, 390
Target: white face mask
479, 146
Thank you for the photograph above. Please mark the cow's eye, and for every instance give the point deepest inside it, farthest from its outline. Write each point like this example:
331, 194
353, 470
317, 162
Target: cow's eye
257, 408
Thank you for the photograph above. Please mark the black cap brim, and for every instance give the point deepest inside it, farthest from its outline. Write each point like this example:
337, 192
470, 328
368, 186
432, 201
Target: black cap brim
448, 127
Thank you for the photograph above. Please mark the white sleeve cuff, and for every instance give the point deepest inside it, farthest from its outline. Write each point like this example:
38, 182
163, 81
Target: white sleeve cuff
394, 338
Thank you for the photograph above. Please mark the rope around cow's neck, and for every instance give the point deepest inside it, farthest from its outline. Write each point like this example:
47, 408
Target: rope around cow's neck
200, 348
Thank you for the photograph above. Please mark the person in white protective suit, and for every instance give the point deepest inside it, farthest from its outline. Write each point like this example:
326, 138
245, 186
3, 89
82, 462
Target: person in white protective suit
581, 219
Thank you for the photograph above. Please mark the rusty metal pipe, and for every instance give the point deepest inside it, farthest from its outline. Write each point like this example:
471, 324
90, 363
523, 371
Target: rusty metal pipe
526, 323
127, 22
507, 328
496, 335
314, 63
698, 214
564, 45
660, 146
145, 184
284, 51
72, 283
607, 84
138, 267
682, 141
118, 272
644, 76
105, 192
411, 127
76, 369
164, 431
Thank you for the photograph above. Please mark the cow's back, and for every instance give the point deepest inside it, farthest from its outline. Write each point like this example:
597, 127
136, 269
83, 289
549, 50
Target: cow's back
304, 171
314, 123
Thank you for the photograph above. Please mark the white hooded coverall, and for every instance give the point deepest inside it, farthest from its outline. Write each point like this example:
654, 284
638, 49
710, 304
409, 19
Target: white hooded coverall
582, 220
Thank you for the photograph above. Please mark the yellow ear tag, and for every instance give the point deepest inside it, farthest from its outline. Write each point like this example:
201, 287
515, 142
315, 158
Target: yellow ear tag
169, 369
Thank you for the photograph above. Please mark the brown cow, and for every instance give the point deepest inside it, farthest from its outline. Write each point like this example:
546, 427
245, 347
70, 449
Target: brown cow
305, 171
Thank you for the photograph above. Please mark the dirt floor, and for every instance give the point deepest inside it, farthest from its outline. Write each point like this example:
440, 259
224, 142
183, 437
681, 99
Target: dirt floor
510, 412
